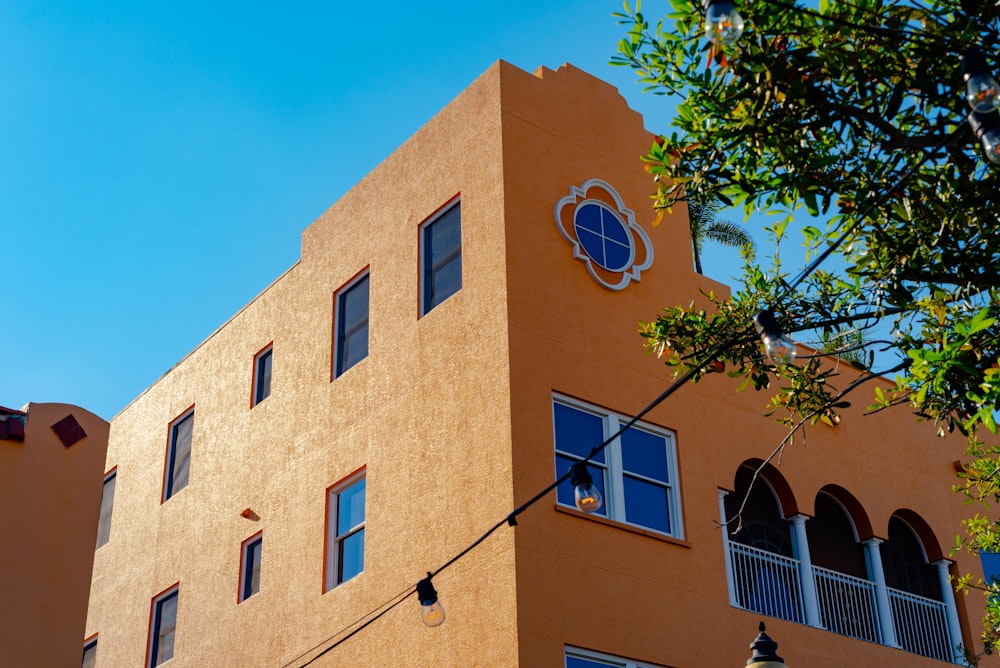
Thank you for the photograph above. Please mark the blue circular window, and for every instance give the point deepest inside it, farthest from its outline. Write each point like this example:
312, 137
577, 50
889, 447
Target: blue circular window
603, 235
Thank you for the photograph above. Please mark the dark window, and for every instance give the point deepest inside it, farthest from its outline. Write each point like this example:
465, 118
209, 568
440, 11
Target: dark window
352, 325
90, 654
603, 236
161, 647
250, 577
441, 250
69, 431
179, 455
107, 504
262, 376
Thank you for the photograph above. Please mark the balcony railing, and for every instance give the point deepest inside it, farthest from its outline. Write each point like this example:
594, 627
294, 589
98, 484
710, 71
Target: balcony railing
769, 584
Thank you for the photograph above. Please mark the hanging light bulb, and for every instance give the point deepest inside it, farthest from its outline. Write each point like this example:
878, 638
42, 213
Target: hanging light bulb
587, 497
779, 348
723, 24
981, 87
430, 610
987, 129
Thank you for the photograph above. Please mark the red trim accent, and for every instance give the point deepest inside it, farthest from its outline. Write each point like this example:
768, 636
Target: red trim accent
89, 639
243, 556
253, 371
166, 452
326, 518
152, 611
111, 471
336, 295
457, 197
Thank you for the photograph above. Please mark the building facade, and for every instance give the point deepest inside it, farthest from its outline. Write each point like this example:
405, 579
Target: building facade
51, 460
460, 329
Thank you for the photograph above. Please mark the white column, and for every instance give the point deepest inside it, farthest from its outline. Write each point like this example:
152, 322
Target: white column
951, 612
801, 546
725, 549
873, 557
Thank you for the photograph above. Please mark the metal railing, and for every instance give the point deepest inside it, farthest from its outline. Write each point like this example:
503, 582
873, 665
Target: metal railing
768, 584
921, 625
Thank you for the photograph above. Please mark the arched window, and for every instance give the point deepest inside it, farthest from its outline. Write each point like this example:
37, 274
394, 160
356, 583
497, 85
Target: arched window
905, 562
833, 541
762, 523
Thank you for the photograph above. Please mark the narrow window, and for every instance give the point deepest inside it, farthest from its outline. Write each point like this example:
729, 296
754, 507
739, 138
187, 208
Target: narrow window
90, 652
582, 658
345, 531
441, 258
163, 627
262, 375
179, 455
107, 504
352, 324
250, 566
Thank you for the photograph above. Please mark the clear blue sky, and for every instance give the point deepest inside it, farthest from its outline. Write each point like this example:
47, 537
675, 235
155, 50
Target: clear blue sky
159, 161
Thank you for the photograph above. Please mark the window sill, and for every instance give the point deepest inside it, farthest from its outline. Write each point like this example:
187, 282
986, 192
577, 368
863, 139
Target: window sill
625, 527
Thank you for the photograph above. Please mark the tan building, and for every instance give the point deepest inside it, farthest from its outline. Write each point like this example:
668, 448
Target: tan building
460, 329
51, 460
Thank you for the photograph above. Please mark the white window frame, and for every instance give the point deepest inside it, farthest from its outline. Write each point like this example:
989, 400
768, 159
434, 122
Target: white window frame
258, 360
155, 621
333, 540
614, 502
612, 661
426, 272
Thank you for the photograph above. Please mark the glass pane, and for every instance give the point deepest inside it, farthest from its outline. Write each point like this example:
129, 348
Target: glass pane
446, 280
444, 235
354, 348
263, 376
251, 578
90, 655
577, 431
564, 492
581, 662
645, 453
646, 504
166, 622
181, 456
351, 507
107, 505
354, 304
351, 556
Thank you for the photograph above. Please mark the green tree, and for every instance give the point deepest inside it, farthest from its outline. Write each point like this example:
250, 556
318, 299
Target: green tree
853, 111
706, 226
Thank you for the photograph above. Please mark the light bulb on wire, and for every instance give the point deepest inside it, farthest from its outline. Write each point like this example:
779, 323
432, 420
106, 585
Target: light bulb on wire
431, 611
987, 130
585, 494
723, 24
780, 350
981, 88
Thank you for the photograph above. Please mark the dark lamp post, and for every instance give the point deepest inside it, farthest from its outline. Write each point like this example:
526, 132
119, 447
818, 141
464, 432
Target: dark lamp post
763, 652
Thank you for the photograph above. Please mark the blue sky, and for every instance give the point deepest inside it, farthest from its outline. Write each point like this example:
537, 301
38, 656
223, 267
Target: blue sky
159, 161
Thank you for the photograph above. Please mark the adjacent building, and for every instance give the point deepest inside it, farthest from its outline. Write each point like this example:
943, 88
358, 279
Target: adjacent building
51, 460
460, 329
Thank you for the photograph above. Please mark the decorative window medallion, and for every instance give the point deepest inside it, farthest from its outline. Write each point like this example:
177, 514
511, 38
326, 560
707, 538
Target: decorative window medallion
604, 234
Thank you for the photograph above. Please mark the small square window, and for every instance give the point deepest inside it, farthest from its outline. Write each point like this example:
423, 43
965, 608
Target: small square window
107, 505
262, 375
163, 625
178, 465
90, 653
250, 555
441, 258
352, 324
69, 431
636, 472
345, 531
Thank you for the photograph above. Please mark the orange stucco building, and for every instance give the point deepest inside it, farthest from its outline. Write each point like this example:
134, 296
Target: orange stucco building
51, 461
460, 329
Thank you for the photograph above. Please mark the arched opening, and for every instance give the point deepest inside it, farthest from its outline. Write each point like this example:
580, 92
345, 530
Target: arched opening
761, 523
905, 562
833, 540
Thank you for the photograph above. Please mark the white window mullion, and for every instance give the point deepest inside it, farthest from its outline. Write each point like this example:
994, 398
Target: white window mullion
613, 453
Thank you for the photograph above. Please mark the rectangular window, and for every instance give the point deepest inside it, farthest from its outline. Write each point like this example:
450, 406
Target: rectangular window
582, 658
262, 375
90, 652
345, 553
250, 566
441, 258
178, 455
162, 627
107, 504
352, 324
636, 473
